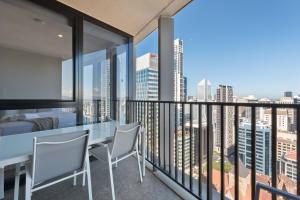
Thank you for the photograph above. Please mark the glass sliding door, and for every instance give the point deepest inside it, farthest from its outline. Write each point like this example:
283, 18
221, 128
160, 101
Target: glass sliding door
36, 53
104, 74
36, 65
122, 81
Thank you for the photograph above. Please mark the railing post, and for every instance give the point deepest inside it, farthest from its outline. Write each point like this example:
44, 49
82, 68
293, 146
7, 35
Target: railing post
191, 147
236, 152
298, 151
222, 152
183, 143
274, 153
200, 148
253, 151
209, 152
176, 143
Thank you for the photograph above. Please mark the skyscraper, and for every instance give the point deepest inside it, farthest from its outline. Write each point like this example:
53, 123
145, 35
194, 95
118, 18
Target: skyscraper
288, 94
179, 81
263, 146
105, 90
147, 77
179, 85
225, 94
204, 91
185, 88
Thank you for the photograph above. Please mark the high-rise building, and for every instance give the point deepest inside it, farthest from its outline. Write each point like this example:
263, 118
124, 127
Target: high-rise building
179, 81
283, 121
288, 94
288, 165
147, 86
179, 85
183, 143
204, 91
195, 140
225, 94
263, 146
286, 142
105, 90
185, 88
203, 95
147, 77
245, 112
292, 113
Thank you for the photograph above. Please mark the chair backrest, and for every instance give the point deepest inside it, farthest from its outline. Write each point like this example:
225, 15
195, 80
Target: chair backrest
58, 155
125, 139
274, 191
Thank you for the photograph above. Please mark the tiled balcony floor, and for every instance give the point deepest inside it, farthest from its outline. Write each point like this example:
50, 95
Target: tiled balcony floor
127, 186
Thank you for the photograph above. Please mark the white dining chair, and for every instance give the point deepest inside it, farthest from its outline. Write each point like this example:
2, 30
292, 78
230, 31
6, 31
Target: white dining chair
57, 158
124, 145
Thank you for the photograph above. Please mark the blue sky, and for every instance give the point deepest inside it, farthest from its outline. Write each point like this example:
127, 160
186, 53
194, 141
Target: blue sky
253, 45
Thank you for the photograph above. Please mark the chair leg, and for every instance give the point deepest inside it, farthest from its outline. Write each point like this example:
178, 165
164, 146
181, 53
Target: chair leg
83, 179
17, 182
28, 184
75, 179
111, 175
116, 164
139, 165
89, 181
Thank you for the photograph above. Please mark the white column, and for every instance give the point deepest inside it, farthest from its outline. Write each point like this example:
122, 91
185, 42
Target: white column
166, 87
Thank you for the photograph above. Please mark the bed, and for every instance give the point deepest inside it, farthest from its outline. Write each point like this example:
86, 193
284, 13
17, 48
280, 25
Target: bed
65, 119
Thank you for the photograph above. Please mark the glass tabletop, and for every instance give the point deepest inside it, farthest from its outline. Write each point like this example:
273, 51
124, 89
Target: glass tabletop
19, 145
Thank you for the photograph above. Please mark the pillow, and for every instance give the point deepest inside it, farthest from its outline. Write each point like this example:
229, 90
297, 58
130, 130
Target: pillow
31, 115
12, 118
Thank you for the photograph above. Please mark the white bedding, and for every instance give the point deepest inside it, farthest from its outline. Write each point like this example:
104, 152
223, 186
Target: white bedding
65, 119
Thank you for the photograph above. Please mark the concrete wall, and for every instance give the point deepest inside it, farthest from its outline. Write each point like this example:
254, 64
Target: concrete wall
25, 75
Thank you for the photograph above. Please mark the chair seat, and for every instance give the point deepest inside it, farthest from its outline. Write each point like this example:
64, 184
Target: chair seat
100, 152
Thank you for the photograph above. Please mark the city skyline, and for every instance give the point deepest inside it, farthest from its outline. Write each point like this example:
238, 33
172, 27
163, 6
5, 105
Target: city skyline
215, 45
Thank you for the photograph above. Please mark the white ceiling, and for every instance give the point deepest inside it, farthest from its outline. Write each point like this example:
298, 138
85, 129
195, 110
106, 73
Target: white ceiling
28, 27
135, 17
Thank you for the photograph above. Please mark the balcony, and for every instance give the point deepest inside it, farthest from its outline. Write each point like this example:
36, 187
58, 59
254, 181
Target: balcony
127, 185
74, 53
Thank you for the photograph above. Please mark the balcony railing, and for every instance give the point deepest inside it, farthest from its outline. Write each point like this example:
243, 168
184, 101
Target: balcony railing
182, 138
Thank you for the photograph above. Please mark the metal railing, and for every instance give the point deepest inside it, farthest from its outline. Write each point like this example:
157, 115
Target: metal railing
180, 137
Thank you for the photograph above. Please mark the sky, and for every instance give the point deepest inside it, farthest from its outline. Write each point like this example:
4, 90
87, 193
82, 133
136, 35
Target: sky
252, 45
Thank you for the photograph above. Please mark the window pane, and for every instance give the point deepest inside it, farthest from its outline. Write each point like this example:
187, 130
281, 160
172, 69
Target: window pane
35, 52
103, 51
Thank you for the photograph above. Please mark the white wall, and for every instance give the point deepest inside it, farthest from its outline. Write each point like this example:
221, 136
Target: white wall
25, 75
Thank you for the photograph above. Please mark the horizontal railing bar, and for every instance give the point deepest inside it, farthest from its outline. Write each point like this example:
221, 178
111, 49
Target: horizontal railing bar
267, 105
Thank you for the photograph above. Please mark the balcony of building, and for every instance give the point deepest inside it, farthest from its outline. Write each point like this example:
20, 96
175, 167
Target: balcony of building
73, 62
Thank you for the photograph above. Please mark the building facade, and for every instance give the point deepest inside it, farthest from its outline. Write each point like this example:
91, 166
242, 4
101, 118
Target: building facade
204, 91
286, 142
147, 77
288, 165
225, 94
179, 85
263, 146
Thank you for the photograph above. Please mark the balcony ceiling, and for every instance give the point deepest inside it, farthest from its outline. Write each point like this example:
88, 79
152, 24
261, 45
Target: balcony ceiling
135, 17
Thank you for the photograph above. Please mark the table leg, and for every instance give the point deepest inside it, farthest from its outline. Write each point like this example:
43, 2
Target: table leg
143, 153
1, 183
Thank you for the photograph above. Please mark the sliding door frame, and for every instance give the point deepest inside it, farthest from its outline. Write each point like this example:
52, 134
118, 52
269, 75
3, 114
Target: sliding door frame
76, 19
